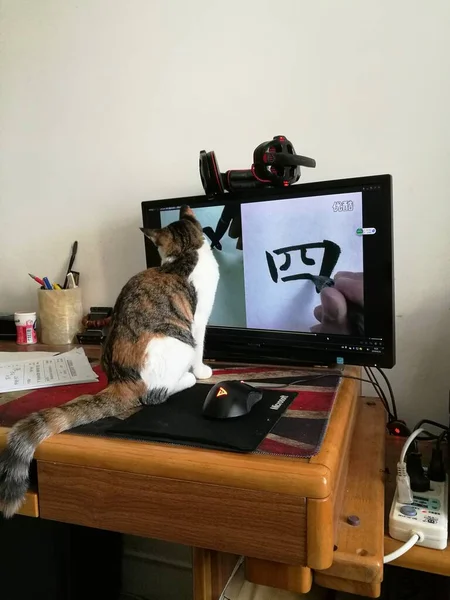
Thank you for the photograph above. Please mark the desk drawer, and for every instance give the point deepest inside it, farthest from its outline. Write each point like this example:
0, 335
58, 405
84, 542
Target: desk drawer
259, 524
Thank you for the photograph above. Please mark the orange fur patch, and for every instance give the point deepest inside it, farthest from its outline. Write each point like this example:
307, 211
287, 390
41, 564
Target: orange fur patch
131, 354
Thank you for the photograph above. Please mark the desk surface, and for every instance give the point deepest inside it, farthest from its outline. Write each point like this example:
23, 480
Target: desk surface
314, 477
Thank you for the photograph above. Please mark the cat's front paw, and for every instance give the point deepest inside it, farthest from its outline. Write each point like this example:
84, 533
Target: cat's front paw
203, 372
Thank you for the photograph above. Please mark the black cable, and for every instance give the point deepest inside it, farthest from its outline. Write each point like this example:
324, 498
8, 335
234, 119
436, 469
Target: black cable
375, 385
321, 376
391, 391
431, 436
429, 422
379, 390
441, 438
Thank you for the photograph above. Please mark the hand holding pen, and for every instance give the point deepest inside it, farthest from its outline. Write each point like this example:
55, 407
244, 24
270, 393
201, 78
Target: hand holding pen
341, 308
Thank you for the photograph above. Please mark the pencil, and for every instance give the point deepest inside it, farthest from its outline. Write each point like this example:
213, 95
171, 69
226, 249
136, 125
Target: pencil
37, 279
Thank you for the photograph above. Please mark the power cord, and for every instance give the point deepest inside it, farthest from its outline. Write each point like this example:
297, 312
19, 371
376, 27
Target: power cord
233, 573
415, 537
404, 491
412, 477
404, 494
379, 390
391, 391
431, 436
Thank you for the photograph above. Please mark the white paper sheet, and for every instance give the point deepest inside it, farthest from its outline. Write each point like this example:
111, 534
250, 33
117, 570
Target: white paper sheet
7, 357
61, 369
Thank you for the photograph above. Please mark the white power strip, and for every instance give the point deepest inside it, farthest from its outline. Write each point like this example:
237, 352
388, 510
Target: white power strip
428, 515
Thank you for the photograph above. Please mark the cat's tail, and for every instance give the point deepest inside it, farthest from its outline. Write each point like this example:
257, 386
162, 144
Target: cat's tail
28, 433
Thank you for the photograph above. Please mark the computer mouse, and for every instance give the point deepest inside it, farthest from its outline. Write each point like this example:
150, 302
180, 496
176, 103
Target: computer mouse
230, 399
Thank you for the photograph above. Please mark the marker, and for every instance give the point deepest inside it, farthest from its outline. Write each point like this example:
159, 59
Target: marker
36, 279
56, 286
71, 261
48, 285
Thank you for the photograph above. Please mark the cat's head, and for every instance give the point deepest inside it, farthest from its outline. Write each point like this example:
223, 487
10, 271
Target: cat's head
179, 237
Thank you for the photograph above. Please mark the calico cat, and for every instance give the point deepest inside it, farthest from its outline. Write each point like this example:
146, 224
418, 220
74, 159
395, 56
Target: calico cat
153, 350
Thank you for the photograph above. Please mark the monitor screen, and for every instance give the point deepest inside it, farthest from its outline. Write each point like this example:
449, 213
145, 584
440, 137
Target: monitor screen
305, 271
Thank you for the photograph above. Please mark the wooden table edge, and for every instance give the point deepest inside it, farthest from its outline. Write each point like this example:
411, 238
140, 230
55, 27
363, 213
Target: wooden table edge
253, 472
313, 478
360, 549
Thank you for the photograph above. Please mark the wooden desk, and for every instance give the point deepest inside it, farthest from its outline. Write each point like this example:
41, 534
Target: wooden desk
358, 559
281, 513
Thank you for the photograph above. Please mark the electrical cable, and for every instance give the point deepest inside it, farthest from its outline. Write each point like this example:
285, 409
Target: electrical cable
440, 439
404, 491
389, 386
371, 379
378, 387
408, 478
431, 436
379, 390
307, 378
404, 495
233, 573
403, 549
406, 445
429, 422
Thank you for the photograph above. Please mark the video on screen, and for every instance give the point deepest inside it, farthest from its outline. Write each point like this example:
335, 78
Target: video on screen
294, 264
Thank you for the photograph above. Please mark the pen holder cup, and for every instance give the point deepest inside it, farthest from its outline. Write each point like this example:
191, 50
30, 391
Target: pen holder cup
60, 315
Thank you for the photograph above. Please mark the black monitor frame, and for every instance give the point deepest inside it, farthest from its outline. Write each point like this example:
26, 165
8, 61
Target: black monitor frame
279, 347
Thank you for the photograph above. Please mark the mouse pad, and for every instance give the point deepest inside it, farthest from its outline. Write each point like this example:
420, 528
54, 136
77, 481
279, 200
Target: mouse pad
180, 421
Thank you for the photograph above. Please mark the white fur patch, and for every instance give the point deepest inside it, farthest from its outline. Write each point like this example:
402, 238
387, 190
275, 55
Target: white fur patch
205, 278
166, 361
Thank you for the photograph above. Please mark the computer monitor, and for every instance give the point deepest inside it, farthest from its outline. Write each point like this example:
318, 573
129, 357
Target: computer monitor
306, 272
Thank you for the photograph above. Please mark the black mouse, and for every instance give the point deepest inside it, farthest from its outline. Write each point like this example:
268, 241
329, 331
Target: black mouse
230, 399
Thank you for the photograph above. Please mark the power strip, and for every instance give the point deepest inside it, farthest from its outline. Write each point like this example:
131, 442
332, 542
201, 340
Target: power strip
428, 515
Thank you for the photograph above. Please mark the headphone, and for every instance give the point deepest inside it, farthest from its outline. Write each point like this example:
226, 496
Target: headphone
275, 164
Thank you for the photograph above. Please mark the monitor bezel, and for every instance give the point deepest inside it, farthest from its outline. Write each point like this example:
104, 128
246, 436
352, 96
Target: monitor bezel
223, 344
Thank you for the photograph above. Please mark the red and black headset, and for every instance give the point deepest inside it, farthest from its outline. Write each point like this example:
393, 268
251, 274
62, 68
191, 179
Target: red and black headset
275, 164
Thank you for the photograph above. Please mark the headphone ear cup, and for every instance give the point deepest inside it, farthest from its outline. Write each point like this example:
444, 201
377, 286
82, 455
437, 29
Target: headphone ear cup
210, 174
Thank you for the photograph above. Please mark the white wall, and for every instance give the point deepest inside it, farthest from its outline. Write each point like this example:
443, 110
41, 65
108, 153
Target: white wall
106, 103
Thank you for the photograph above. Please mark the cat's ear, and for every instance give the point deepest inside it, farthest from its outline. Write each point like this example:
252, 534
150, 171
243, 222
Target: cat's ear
186, 211
151, 234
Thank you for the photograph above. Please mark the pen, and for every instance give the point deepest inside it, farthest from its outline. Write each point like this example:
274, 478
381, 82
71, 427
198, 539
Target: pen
48, 285
37, 279
71, 261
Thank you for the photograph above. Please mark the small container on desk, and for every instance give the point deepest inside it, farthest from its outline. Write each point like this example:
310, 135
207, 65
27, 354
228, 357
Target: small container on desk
60, 315
25, 328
